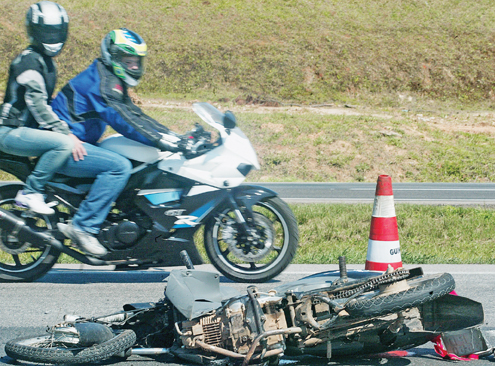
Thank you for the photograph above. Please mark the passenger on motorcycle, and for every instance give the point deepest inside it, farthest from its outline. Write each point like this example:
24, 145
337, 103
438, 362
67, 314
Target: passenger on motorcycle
94, 98
28, 126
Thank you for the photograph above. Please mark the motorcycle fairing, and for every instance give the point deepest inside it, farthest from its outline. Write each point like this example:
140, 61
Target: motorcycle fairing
159, 248
249, 195
186, 212
161, 196
195, 293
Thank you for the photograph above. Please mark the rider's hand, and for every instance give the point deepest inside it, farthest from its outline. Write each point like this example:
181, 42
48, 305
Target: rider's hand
166, 145
79, 151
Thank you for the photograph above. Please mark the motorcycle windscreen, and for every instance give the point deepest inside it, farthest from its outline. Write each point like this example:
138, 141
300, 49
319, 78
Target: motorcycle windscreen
212, 116
195, 293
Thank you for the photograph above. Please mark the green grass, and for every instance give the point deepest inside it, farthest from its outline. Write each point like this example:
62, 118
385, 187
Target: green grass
390, 53
404, 57
313, 147
427, 234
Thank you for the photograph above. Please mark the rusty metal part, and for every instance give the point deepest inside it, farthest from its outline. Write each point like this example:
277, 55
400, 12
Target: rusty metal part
258, 339
231, 354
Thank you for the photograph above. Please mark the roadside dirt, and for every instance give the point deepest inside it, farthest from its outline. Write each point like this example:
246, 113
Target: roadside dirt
470, 122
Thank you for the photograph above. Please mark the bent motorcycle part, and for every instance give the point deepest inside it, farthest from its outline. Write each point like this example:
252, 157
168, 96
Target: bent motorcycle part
195, 292
451, 313
466, 342
44, 349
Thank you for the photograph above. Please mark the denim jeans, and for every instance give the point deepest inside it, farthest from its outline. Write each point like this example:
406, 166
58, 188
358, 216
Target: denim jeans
112, 171
53, 148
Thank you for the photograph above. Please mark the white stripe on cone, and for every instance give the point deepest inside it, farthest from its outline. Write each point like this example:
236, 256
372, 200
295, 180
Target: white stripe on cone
383, 251
383, 206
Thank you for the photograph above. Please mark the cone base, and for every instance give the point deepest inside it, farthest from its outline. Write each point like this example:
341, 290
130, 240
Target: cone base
376, 266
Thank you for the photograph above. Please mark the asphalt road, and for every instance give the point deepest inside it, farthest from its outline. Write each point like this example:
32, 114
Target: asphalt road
27, 308
417, 193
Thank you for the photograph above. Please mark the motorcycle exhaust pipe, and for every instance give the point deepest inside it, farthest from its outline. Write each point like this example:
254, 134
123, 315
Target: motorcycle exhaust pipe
18, 228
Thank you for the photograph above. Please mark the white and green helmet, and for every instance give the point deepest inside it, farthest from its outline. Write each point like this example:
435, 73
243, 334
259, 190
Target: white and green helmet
121, 43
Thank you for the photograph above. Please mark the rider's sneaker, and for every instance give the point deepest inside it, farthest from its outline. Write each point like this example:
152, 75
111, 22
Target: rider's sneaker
34, 202
82, 239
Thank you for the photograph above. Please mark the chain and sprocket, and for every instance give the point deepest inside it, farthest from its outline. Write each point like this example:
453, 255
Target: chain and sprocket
350, 289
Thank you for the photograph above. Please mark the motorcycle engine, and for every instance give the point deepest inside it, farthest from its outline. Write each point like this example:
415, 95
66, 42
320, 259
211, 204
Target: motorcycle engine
120, 235
234, 328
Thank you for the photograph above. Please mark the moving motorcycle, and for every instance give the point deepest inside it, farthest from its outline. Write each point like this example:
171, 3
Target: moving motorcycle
330, 314
250, 234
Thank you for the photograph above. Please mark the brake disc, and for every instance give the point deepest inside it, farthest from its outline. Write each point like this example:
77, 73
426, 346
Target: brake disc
258, 243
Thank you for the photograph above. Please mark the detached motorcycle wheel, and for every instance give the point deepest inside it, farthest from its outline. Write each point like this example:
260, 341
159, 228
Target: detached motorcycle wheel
22, 261
420, 291
43, 349
261, 256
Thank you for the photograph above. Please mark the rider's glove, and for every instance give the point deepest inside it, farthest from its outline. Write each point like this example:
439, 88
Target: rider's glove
166, 145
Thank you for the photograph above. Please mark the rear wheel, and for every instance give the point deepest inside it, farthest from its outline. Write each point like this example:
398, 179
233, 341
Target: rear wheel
46, 349
22, 261
420, 290
262, 254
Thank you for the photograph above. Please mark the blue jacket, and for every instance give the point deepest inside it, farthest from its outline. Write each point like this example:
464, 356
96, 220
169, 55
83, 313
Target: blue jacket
95, 98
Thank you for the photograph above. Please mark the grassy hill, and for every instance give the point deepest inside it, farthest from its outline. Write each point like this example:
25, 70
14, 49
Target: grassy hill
409, 66
405, 53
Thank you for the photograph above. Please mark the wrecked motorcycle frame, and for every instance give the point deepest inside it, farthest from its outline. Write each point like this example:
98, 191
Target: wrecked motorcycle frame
335, 313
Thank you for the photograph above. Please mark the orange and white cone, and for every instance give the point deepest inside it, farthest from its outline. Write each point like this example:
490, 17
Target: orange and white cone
383, 243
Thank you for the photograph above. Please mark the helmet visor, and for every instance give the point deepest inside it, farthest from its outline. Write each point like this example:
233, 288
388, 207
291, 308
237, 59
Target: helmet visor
132, 64
50, 34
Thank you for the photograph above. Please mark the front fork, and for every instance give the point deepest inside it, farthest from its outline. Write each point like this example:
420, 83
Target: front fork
243, 219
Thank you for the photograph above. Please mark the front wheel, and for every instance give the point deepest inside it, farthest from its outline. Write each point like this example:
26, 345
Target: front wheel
260, 255
46, 349
22, 261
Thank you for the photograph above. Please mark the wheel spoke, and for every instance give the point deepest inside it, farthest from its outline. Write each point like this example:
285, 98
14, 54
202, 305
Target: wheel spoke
16, 260
252, 265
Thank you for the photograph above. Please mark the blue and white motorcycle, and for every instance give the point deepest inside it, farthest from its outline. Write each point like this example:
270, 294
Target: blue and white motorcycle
250, 234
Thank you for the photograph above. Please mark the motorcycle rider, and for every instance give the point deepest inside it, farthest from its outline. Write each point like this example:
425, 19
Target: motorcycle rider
28, 126
94, 98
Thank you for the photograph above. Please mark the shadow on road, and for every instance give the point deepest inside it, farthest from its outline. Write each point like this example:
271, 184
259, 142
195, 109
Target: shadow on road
74, 276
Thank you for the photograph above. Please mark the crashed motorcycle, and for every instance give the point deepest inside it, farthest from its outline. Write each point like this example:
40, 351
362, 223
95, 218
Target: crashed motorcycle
330, 314
250, 234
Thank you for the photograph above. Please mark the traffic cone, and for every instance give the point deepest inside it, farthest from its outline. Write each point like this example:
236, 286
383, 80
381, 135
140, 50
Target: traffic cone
383, 243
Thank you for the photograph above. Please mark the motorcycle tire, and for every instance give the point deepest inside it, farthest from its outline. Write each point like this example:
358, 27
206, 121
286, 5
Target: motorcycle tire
421, 290
22, 262
41, 349
277, 227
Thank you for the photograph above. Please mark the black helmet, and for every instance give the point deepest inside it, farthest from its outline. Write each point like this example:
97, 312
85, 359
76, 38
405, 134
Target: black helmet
47, 26
120, 44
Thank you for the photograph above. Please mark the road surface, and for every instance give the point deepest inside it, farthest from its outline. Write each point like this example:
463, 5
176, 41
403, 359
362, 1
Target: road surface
482, 194
27, 308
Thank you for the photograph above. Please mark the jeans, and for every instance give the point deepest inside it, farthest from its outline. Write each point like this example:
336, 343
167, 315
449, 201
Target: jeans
53, 148
112, 171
